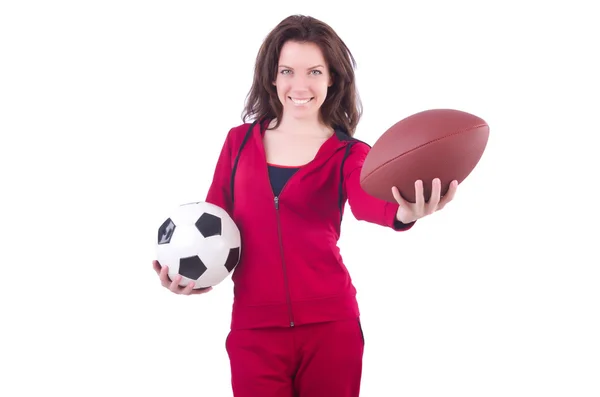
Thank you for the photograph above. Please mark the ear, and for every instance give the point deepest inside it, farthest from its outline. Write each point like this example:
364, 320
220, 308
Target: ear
330, 80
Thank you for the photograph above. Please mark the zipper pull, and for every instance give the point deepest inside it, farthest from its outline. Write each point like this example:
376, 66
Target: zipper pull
276, 202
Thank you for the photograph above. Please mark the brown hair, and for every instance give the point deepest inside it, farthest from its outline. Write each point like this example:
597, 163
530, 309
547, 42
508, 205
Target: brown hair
342, 107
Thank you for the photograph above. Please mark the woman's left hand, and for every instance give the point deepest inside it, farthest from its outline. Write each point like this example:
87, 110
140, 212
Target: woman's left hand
409, 212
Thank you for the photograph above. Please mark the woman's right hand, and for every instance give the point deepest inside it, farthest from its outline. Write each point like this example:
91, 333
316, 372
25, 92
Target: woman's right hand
173, 285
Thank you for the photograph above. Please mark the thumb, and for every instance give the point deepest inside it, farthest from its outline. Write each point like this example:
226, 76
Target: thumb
398, 197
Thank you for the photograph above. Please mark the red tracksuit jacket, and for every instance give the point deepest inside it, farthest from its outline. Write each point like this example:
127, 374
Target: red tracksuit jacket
291, 271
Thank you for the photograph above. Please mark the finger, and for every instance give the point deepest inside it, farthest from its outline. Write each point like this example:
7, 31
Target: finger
156, 267
201, 290
419, 198
174, 287
434, 199
450, 194
164, 276
188, 288
397, 196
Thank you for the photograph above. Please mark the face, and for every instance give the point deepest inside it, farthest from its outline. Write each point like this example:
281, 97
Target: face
302, 79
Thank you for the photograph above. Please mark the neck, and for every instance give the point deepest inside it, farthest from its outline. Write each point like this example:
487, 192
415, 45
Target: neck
309, 126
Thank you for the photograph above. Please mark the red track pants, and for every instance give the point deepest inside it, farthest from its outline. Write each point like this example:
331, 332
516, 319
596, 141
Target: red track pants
315, 360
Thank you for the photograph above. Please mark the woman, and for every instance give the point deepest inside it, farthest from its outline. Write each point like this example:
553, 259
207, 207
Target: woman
285, 179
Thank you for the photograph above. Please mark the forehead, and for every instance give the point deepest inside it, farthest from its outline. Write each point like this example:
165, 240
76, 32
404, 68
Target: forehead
301, 55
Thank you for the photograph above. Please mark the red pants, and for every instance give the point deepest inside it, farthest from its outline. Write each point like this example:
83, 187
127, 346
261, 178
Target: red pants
316, 360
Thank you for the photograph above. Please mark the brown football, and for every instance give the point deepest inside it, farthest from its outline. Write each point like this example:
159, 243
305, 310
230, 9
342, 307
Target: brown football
436, 143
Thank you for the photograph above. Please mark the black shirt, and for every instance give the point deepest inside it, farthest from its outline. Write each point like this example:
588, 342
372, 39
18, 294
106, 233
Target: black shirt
279, 175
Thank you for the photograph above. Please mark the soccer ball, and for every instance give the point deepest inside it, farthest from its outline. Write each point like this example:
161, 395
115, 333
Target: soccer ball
200, 242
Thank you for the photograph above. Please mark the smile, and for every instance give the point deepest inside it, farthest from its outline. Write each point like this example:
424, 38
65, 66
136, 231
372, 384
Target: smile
300, 101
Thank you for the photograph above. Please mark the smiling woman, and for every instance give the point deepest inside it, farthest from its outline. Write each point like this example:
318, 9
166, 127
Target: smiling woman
285, 177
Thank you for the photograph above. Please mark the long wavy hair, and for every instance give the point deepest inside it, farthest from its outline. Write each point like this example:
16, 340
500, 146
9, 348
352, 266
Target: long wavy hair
342, 107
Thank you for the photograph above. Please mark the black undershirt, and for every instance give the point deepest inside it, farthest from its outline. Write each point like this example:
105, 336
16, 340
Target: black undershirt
279, 175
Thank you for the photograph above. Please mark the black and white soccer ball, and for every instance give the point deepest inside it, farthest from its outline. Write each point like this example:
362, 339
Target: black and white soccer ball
200, 242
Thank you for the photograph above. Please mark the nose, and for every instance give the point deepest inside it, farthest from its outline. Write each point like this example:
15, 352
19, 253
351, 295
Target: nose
300, 82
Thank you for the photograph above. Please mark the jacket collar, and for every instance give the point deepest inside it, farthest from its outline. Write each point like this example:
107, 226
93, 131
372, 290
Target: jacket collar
332, 145
338, 132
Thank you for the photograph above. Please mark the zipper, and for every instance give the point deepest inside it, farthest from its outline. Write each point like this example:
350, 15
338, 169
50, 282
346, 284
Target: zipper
288, 298
276, 200
285, 278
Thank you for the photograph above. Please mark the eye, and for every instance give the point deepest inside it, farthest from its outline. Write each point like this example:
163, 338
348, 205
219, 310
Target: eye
284, 71
316, 71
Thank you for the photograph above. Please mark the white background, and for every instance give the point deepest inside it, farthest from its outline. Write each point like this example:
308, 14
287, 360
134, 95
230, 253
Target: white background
113, 112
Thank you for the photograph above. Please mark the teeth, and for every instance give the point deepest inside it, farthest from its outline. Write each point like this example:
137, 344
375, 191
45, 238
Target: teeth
300, 102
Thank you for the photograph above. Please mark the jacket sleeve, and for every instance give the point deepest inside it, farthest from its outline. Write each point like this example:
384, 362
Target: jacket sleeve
219, 191
365, 207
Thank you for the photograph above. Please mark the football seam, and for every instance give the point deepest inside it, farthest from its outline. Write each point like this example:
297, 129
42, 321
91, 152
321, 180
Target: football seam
420, 146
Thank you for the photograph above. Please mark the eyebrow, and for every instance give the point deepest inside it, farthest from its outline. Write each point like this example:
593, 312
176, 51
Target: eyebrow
289, 67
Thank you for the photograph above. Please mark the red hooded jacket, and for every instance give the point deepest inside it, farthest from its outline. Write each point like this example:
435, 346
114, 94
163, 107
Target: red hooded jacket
291, 271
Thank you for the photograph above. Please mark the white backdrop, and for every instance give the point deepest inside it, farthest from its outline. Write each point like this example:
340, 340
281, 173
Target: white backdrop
114, 112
